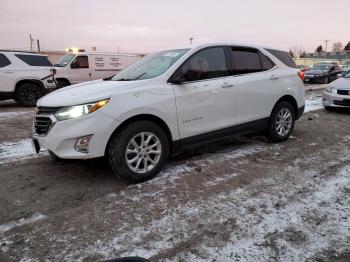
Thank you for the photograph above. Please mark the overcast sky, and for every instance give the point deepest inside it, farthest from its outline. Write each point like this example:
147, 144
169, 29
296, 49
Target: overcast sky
149, 25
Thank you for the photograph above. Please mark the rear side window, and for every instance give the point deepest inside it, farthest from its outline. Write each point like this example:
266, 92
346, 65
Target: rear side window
34, 60
246, 61
80, 62
266, 63
4, 61
206, 64
284, 57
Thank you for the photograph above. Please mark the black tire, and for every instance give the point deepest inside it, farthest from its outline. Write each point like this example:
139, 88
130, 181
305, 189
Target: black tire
118, 145
273, 134
29, 93
62, 83
328, 108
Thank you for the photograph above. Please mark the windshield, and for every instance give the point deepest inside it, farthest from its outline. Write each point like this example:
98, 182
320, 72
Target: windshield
321, 67
65, 60
150, 66
347, 75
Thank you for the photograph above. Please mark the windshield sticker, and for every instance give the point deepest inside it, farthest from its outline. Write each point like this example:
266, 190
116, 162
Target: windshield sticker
171, 54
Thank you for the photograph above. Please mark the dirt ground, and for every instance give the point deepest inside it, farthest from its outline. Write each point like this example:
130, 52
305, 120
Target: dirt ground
242, 199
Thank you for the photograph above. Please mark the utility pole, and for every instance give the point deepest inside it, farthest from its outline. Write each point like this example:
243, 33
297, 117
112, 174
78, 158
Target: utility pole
326, 41
191, 40
38, 44
31, 42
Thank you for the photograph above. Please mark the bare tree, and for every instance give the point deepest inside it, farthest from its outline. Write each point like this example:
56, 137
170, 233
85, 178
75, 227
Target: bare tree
297, 50
337, 47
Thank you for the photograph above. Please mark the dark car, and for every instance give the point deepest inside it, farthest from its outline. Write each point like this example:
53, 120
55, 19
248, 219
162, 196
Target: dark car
322, 73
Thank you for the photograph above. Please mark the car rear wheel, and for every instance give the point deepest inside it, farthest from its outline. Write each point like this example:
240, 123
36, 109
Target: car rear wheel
138, 152
29, 93
281, 122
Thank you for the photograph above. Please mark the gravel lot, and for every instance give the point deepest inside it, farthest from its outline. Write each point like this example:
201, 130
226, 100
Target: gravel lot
243, 199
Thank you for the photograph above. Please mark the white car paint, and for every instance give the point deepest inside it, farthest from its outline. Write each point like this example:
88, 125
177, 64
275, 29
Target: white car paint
187, 109
338, 93
100, 65
18, 70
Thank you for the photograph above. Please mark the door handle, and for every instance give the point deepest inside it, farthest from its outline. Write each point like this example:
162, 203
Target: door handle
226, 85
8, 72
273, 77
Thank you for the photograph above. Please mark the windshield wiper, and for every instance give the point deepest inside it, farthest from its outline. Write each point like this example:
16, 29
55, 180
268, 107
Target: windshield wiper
140, 76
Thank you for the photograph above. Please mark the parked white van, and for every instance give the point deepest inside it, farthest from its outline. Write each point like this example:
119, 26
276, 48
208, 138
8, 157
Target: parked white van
171, 100
74, 68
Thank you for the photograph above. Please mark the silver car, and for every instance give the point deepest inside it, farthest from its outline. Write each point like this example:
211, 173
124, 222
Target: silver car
337, 94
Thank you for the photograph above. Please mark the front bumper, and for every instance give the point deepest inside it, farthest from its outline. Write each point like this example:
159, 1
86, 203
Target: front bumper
335, 100
63, 135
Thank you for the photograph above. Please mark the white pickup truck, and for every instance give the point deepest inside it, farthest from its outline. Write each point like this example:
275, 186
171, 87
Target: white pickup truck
25, 77
75, 68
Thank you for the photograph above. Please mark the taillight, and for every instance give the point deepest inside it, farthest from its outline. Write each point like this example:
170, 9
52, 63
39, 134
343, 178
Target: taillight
301, 74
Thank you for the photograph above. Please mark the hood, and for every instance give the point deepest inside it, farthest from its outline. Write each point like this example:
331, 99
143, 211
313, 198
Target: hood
88, 92
315, 72
341, 83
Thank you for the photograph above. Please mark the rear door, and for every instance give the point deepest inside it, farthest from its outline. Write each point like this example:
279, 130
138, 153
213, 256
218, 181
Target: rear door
202, 104
256, 82
80, 69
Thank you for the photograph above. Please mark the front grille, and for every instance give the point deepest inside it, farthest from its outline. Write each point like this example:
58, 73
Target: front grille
42, 125
42, 121
45, 110
342, 103
344, 92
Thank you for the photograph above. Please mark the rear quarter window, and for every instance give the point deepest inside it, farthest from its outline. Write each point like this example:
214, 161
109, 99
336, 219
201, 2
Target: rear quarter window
4, 61
34, 60
284, 57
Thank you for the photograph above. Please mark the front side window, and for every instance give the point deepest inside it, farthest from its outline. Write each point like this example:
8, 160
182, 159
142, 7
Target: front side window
4, 61
150, 66
34, 60
80, 62
206, 64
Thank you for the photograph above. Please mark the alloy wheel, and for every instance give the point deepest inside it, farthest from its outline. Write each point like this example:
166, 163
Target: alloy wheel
143, 152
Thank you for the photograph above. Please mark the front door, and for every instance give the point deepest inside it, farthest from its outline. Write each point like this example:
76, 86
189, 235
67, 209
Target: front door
204, 101
80, 70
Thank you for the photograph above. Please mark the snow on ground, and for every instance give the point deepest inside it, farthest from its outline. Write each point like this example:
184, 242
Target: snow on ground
17, 150
263, 228
15, 114
23, 221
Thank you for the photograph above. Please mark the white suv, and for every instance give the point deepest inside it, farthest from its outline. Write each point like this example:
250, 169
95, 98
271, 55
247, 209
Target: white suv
169, 101
25, 77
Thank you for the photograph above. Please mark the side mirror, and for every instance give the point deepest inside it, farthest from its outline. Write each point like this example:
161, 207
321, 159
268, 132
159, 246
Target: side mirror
339, 75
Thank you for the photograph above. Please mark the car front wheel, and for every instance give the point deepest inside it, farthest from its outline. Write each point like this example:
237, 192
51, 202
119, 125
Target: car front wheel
138, 152
281, 122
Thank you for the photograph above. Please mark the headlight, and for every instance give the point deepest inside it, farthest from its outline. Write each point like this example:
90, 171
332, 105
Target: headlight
79, 110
